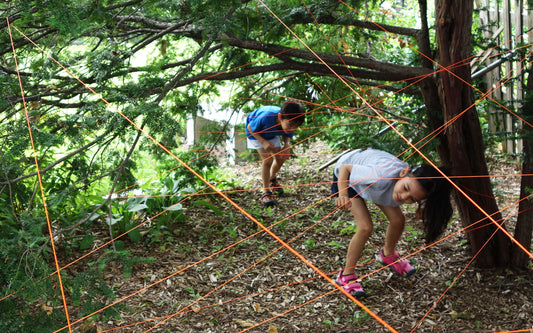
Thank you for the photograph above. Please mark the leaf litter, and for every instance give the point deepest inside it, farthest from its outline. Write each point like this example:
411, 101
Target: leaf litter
259, 286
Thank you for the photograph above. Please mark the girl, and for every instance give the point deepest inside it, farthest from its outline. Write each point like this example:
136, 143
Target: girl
388, 182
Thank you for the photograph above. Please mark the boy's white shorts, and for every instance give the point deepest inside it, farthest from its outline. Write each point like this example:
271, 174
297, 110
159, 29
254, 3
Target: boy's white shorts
254, 144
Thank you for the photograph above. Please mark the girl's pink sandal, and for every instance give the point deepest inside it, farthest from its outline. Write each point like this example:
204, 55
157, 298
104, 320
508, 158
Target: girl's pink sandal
397, 265
351, 284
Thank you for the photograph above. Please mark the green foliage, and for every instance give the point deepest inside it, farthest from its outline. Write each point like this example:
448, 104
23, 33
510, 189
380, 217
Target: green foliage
121, 218
412, 235
25, 251
159, 210
122, 256
33, 300
330, 324
359, 317
350, 229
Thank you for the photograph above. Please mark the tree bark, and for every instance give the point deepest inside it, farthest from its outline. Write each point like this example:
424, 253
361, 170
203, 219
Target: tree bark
466, 148
428, 88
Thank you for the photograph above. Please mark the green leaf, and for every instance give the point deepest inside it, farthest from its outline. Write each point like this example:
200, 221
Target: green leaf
137, 207
209, 205
112, 221
176, 207
134, 234
86, 242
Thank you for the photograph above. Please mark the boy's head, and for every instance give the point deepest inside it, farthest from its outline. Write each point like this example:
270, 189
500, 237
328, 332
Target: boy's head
293, 112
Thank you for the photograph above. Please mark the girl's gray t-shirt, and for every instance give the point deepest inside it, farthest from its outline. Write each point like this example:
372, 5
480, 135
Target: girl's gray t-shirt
374, 173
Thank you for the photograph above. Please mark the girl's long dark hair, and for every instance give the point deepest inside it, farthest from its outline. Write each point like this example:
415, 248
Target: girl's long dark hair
437, 208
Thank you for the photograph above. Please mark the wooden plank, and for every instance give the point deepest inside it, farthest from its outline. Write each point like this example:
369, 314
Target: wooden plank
508, 145
519, 65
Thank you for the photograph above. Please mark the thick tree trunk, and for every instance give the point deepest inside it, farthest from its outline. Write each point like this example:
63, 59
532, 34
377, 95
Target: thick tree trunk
464, 138
524, 223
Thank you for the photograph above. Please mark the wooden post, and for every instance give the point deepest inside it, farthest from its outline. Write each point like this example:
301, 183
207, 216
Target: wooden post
519, 65
508, 94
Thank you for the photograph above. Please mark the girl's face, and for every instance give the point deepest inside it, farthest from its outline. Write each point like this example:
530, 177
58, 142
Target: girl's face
408, 190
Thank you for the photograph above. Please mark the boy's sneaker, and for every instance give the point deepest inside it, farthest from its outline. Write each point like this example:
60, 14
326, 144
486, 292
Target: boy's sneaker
268, 199
275, 186
351, 284
402, 267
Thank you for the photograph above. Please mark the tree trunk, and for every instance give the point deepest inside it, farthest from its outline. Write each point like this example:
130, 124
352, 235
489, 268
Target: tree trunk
464, 138
524, 223
428, 87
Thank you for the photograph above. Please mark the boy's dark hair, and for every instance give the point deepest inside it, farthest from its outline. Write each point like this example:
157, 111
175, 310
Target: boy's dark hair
294, 112
437, 208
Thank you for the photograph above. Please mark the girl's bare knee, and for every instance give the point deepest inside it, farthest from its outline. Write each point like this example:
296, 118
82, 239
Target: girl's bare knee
399, 222
364, 230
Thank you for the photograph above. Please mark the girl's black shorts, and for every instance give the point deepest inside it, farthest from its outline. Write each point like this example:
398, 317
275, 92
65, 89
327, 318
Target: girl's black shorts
335, 188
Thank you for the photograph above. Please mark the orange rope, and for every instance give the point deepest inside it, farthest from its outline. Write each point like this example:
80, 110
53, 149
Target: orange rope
43, 197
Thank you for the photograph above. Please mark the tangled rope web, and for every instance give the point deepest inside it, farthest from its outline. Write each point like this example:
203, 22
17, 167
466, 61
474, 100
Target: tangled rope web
243, 268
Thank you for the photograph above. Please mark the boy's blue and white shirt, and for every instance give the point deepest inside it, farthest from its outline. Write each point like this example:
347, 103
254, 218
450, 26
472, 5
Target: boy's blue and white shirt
263, 121
374, 173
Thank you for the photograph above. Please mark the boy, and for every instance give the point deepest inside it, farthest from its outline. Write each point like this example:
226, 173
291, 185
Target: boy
264, 126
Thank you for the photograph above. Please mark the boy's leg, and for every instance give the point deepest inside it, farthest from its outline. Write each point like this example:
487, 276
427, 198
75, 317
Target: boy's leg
268, 199
267, 159
364, 229
279, 158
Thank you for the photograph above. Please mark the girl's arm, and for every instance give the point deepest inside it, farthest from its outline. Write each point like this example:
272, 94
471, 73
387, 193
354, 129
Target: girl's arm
343, 200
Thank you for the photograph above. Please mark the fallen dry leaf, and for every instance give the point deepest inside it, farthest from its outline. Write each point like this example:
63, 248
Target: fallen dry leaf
244, 323
272, 329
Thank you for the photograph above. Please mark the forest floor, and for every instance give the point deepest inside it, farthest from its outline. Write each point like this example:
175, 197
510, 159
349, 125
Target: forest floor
219, 272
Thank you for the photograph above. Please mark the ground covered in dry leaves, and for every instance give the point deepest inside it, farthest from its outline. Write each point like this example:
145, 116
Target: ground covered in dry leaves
219, 272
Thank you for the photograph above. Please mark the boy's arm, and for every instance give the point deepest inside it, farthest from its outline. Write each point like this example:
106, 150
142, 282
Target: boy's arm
266, 144
286, 141
286, 151
343, 200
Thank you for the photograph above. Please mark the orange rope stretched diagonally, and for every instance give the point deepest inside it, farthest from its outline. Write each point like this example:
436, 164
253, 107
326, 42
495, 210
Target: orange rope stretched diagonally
43, 197
461, 273
268, 231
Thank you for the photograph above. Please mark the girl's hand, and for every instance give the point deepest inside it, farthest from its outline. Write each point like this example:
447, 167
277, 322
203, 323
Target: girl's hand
343, 201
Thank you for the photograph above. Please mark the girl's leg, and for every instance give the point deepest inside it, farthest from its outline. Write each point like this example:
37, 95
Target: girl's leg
395, 228
267, 159
394, 231
364, 229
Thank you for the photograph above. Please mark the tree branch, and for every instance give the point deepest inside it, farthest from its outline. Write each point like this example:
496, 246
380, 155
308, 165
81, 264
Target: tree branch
50, 166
